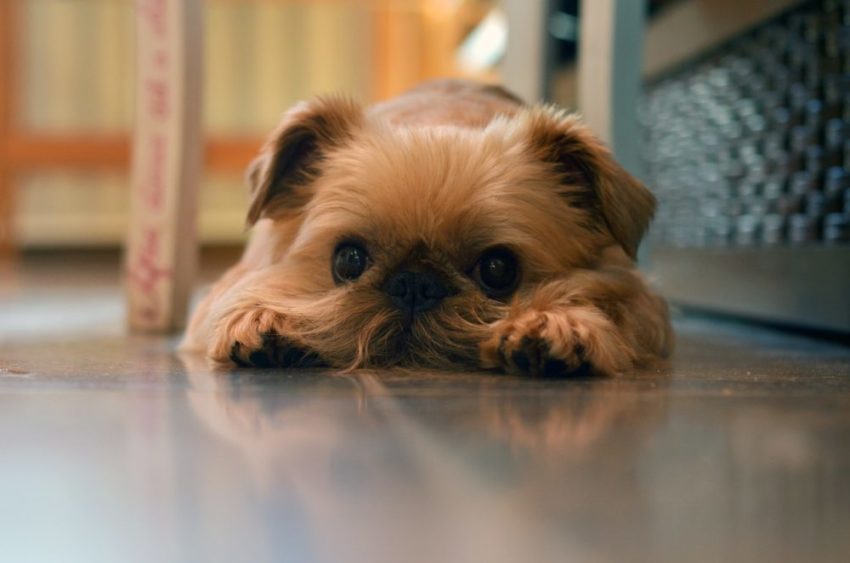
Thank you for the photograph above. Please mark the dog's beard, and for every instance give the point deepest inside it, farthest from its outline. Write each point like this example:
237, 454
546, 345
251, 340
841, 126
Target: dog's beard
446, 338
358, 329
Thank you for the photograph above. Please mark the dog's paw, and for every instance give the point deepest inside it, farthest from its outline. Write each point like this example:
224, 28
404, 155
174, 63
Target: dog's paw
570, 342
258, 338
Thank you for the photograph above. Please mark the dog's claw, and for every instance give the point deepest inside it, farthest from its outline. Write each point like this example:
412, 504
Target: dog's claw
260, 359
236, 358
532, 356
553, 367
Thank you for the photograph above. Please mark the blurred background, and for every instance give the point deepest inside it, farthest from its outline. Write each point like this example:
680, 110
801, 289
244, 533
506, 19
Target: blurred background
734, 111
71, 87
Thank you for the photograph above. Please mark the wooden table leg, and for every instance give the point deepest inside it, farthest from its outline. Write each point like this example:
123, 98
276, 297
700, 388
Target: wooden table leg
524, 67
162, 243
7, 241
610, 65
8, 90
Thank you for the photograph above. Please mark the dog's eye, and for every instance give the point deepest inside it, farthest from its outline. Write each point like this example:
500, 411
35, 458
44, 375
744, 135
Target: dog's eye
497, 272
350, 261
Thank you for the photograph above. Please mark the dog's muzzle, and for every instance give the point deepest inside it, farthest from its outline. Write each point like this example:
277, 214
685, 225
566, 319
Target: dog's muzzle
415, 292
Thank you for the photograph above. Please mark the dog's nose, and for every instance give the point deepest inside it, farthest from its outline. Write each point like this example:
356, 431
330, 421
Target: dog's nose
415, 291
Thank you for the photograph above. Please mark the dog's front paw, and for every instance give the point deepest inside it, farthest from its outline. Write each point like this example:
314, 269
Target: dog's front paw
568, 342
525, 344
258, 338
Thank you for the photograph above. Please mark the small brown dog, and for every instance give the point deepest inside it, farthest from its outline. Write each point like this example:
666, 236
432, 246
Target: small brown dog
450, 227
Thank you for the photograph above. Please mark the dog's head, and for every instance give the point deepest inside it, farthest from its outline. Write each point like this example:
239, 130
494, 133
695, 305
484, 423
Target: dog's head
408, 242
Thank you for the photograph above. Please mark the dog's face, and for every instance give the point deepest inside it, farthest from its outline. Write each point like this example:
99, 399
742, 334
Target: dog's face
403, 244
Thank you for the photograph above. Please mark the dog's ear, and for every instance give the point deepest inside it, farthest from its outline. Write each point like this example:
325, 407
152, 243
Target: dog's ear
590, 176
280, 178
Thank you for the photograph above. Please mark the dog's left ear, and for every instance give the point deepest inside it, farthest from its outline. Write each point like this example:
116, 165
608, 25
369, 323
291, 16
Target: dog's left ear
585, 163
280, 178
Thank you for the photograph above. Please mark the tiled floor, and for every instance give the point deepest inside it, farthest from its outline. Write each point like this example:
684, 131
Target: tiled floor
113, 448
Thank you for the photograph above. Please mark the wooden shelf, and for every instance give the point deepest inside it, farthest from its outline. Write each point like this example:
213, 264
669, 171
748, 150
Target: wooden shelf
26, 152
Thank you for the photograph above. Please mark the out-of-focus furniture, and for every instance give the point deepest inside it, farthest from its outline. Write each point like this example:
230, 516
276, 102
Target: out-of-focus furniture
403, 42
162, 238
747, 148
23, 151
7, 60
609, 66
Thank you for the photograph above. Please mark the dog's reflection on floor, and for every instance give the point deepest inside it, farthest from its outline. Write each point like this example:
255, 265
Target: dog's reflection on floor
419, 460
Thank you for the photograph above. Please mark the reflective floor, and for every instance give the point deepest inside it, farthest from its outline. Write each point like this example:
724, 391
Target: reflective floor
114, 448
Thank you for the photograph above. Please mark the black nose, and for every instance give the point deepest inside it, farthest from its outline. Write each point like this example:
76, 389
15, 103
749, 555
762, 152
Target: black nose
415, 291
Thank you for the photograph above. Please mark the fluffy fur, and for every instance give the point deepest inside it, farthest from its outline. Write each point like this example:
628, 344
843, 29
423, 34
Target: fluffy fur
432, 179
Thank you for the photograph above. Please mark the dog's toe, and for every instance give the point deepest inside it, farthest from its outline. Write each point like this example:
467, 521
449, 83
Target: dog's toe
521, 360
289, 356
236, 356
260, 359
534, 357
527, 357
554, 367
275, 352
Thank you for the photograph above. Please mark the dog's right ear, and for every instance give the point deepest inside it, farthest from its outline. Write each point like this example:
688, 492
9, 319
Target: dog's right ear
280, 178
624, 204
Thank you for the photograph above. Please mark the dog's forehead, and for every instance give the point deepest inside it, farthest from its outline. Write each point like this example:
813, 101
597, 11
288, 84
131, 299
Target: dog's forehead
434, 184
453, 192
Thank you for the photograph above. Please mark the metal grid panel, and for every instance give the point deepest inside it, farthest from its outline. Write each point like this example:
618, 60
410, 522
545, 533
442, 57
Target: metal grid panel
748, 145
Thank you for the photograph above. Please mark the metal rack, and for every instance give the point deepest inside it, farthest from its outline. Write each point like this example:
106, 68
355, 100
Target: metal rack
747, 150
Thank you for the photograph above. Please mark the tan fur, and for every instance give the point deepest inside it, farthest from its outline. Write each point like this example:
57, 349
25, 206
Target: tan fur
432, 179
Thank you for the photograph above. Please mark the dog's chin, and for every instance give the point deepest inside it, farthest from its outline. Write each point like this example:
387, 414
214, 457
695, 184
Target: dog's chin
408, 342
409, 352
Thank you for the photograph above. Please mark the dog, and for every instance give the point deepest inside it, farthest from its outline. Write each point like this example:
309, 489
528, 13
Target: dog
451, 227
